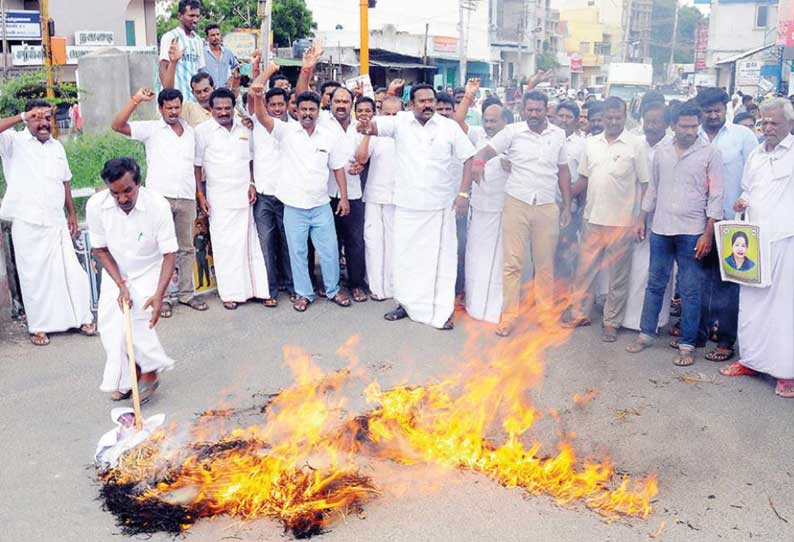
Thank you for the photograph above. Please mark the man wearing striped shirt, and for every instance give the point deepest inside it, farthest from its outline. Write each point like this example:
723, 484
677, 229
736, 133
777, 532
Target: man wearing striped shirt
182, 50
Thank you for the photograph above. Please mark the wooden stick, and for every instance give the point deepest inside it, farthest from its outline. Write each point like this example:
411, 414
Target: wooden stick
136, 397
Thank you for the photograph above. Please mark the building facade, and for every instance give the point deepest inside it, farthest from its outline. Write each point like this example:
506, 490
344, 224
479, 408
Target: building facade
591, 43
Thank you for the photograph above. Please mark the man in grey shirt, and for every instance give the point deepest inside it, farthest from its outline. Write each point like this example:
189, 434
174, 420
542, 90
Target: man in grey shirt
220, 60
685, 192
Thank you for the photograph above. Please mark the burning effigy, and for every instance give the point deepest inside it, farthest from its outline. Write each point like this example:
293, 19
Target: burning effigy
309, 461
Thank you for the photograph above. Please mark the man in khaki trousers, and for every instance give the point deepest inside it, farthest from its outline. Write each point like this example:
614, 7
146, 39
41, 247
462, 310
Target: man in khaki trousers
614, 172
536, 151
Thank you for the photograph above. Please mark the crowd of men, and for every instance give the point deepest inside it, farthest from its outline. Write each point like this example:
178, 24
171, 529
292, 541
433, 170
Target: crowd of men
423, 208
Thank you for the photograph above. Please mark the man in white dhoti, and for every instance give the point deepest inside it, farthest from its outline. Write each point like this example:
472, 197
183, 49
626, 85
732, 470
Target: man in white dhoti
427, 200
133, 237
170, 151
654, 127
380, 153
766, 315
484, 252
223, 160
55, 288
484, 256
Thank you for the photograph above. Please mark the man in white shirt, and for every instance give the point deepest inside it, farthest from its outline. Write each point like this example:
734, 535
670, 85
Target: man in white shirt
613, 171
379, 203
55, 288
309, 149
268, 209
427, 200
170, 145
182, 50
766, 315
133, 237
350, 227
539, 166
223, 160
484, 250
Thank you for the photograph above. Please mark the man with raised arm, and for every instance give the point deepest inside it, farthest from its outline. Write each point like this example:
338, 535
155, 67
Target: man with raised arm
427, 201
170, 145
309, 149
54, 285
182, 50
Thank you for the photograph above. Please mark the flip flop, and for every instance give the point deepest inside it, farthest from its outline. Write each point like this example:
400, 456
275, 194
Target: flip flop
720, 354
166, 311
359, 295
576, 322
397, 314
89, 330
785, 388
196, 304
685, 358
737, 369
120, 395
448, 325
271, 302
39, 339
147, 389
609, 334
230, 306
504, 330
341, 299
373, 297
301, 304
638, 346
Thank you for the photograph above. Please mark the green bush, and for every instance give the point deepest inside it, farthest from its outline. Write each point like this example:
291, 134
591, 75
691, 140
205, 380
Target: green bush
88, 153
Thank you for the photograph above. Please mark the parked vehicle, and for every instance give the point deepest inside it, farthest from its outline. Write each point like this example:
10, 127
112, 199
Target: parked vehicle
626, 80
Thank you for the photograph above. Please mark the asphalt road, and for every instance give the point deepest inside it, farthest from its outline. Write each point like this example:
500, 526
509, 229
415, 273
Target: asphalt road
723, 449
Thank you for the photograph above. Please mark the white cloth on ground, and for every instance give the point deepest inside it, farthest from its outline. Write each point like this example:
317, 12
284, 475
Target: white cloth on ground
149, 353
425, 252
484, 265
239, 264
766, 317
54, 285
379, 248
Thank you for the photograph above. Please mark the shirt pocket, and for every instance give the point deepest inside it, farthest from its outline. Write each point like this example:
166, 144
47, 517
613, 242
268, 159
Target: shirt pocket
620, 165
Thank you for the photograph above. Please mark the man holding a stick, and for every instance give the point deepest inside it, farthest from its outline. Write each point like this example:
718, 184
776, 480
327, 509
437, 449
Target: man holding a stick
132, 232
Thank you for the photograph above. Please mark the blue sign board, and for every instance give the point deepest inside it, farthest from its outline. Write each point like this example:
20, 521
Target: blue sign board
22, 25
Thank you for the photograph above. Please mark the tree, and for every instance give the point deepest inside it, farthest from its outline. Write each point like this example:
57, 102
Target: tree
291, 18
662, 29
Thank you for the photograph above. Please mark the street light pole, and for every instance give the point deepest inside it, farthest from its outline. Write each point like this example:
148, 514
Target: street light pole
364, 45
45, 36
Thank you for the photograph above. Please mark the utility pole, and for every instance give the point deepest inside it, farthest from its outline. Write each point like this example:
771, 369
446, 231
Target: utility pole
364, 45
5, 40
264, 10
462, 41
45, 37
675, 32
627, 32
424, 58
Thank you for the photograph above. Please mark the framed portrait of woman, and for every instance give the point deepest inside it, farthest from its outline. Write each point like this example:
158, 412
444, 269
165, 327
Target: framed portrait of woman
741, 250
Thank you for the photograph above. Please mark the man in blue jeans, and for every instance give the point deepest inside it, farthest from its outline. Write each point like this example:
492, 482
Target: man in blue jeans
685, 193
308, 150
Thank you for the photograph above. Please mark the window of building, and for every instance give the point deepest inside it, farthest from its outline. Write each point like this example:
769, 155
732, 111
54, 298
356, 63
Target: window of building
602, 48
130, 31
761, 16
584, 47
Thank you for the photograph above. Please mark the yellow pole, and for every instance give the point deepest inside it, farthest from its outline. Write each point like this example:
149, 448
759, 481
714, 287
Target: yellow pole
45, 38
364, 8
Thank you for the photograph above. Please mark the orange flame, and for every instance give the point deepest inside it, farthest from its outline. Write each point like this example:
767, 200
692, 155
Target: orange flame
302, 464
